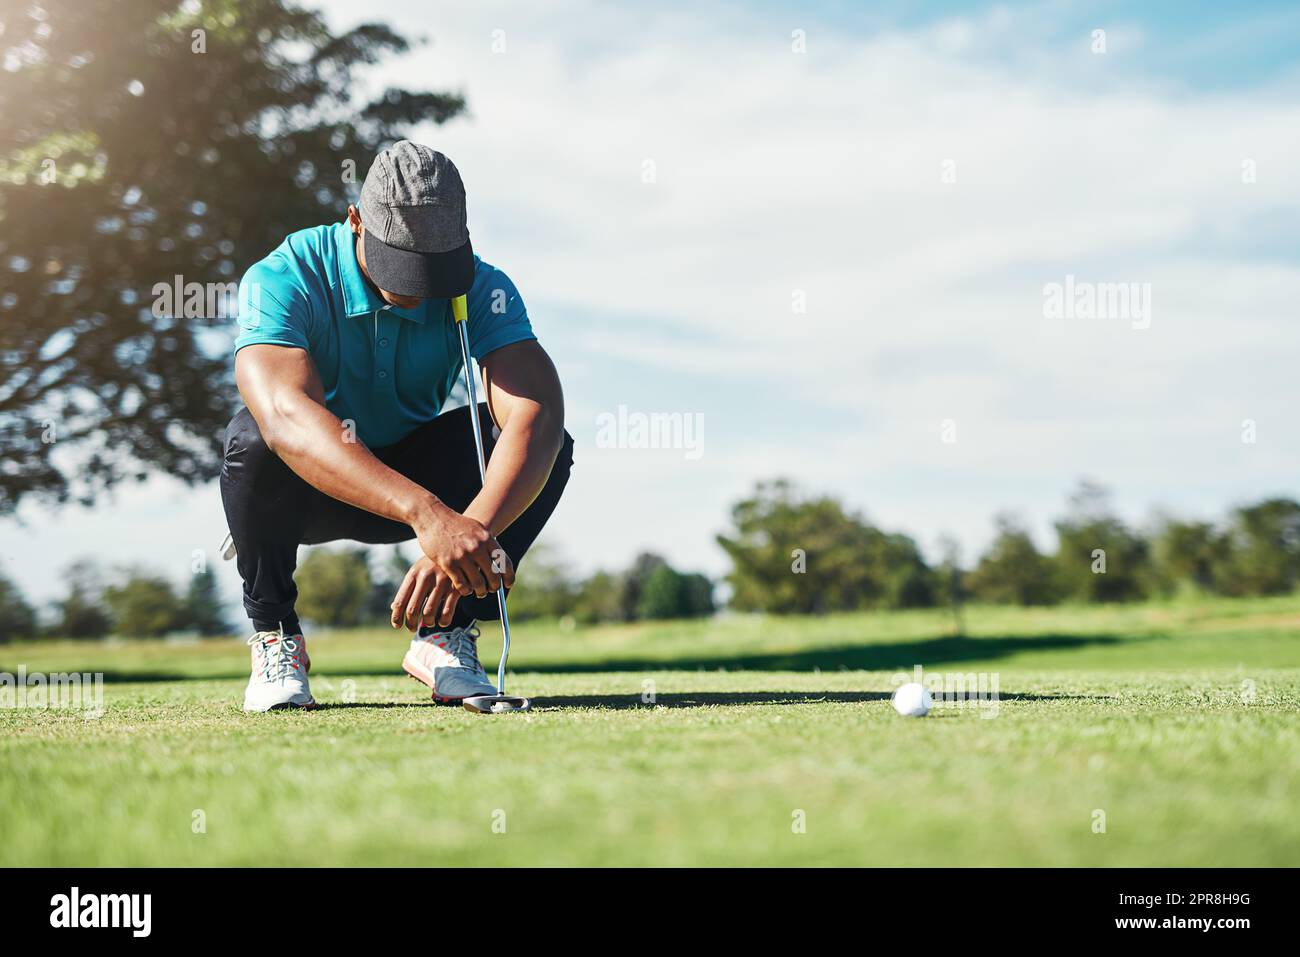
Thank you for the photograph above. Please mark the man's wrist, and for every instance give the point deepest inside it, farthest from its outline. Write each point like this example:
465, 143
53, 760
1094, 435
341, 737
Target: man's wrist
485, 515
423, 510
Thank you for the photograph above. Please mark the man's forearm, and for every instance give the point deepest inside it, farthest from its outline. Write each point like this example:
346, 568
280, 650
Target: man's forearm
313, 442
517, 472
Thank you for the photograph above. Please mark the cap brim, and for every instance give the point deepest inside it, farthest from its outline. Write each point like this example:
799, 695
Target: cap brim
424, 275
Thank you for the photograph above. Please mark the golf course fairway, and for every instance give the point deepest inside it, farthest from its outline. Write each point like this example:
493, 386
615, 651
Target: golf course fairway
1156, 734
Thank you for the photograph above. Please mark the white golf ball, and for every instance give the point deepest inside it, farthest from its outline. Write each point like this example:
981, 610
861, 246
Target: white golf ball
912, 700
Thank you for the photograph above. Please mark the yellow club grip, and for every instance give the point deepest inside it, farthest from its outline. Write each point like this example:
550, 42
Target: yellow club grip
459, 312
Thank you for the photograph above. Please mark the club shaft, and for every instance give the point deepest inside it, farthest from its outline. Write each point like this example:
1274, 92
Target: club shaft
482, 474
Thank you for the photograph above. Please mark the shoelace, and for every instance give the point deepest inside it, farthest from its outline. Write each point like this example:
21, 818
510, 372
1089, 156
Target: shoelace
279, 659
462, 644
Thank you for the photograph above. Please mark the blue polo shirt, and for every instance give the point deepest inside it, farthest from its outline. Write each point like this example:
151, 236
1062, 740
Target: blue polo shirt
388, 370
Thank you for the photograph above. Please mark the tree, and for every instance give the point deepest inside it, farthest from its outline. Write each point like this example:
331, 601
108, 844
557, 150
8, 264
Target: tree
599, 598
81, 614
663, 594
1263, 552
697, 596
144, 606
17, 618
668, 593
898, 563
633, 583
333, 586
144, 141
1100, 558
794, 556
204, 610
1013, 570
1188, 552
800, 556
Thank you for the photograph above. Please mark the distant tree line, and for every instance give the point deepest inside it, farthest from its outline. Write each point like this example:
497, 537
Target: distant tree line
797, 555
790, 554
129, 601
338, 587
649, 589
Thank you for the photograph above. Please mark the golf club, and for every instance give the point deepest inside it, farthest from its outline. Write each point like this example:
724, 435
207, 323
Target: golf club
499, 703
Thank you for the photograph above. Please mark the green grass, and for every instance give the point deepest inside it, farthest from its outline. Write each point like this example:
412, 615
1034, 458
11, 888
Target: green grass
1143, 713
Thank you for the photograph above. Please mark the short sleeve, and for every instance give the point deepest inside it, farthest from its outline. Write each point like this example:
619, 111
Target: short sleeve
496, 312
273, 310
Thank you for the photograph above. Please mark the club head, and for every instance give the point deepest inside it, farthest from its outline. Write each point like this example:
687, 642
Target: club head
496, 704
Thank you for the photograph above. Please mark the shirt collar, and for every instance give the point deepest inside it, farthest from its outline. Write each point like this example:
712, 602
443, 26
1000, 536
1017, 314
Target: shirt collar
358, 298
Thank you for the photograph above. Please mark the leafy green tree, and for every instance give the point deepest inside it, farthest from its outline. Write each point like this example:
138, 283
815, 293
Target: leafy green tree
1188, 552
144, 606
333, 586
898, 563
633, 583
82, 614
599, 598
1090, 535
797, 556
801, 556
144, 140
669, 593
1263, 549
17, 618
204, 610
1013, 570
697, 596
663, 595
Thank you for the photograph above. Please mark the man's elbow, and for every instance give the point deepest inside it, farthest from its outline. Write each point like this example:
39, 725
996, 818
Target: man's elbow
279, 427
551, 426
275, 435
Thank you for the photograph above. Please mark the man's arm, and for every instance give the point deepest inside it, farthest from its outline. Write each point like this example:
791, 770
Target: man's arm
283, 391
527, 404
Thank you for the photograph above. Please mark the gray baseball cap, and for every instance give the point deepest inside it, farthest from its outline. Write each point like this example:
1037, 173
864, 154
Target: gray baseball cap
413, 210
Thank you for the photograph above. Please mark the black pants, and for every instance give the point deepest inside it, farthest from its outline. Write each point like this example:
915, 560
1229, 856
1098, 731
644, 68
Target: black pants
271, 511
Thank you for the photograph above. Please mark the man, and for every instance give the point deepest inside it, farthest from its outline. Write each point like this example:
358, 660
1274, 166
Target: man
345, 356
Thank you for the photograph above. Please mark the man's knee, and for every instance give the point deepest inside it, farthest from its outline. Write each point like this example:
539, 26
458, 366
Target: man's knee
244, 443
563, 462
565, 459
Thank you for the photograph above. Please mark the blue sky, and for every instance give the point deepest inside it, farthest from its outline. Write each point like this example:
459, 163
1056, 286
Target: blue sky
917, 177
1194, 46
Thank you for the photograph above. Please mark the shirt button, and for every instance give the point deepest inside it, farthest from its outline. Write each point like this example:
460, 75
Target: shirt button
383, 342
383, 374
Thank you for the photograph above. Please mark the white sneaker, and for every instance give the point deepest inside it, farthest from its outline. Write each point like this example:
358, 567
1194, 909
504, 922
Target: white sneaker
447, 662
279, 678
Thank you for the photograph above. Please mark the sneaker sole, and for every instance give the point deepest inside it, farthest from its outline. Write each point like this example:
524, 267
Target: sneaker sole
294, 706
282, 706
415, 668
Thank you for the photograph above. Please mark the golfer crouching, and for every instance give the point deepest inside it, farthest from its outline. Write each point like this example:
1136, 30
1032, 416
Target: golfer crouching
347, 351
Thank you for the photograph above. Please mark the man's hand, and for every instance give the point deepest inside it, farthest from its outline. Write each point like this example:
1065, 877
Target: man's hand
461, 558
425, 598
